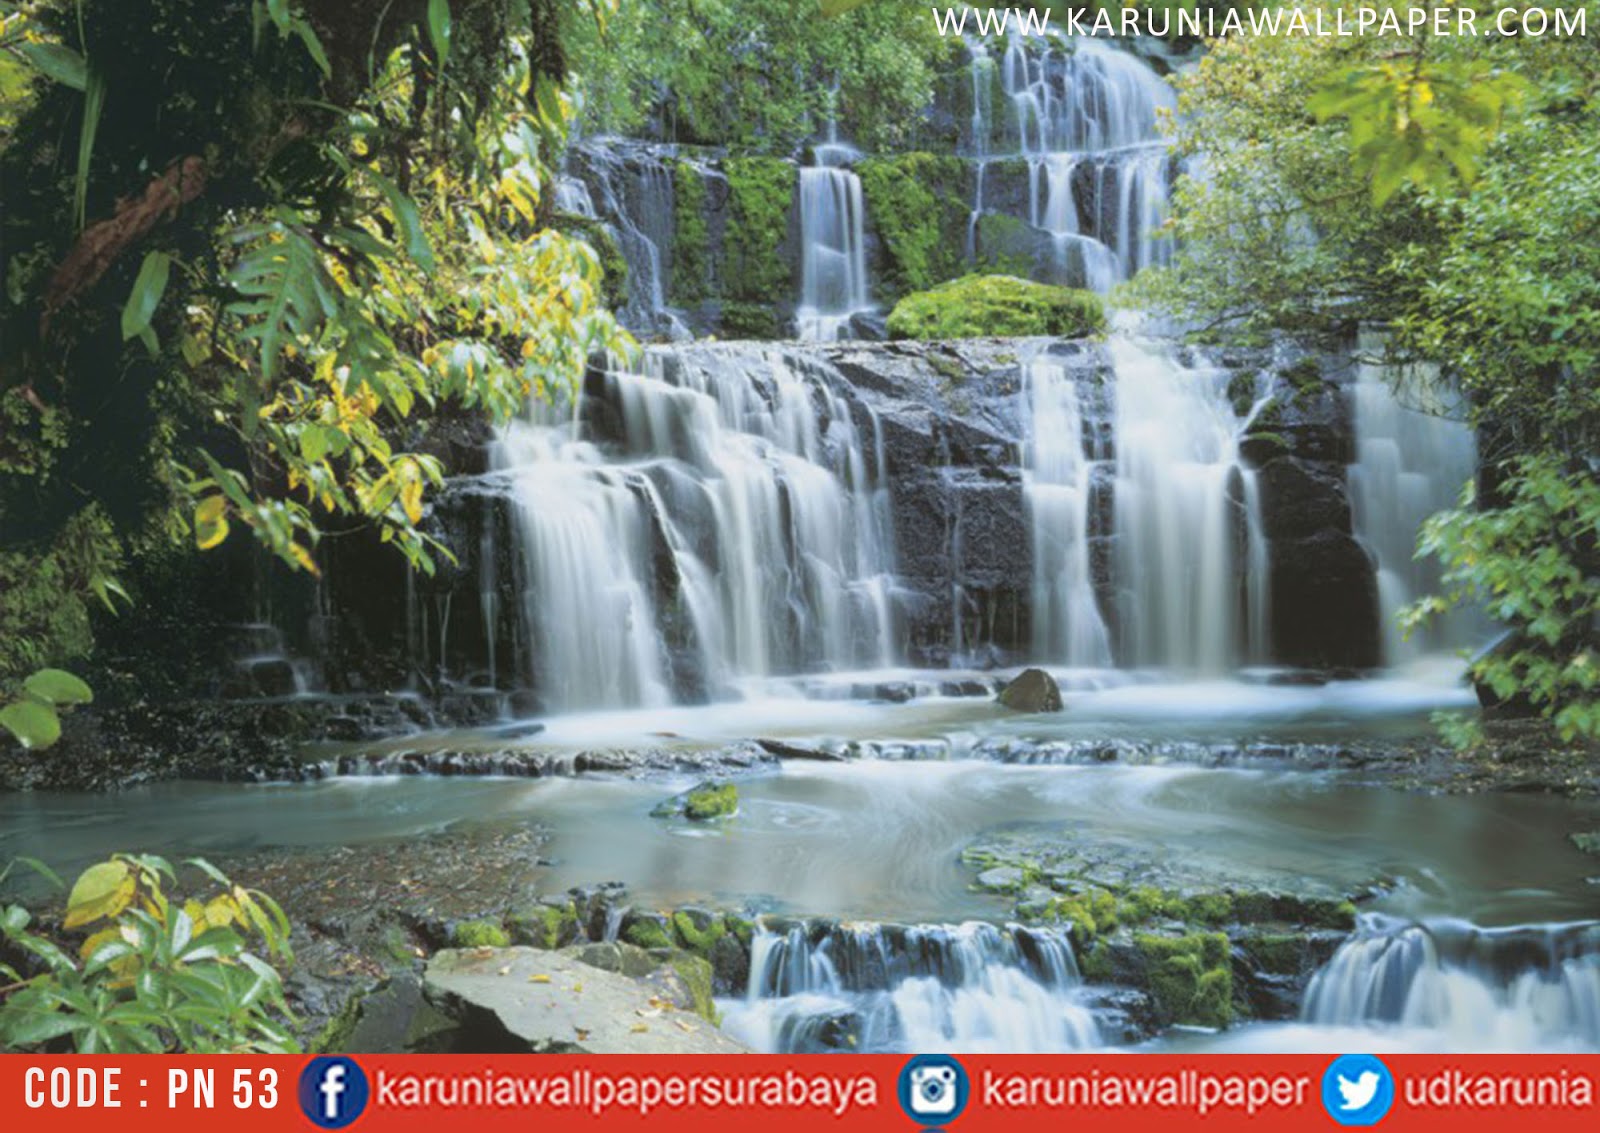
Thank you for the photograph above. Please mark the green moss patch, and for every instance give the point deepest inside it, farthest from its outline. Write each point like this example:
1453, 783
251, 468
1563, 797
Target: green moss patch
691, 241
544, 926
916, 203
697, 938
748, 320
997, 305
1190, 977
760, 197
713, 800
485, 933
647, 932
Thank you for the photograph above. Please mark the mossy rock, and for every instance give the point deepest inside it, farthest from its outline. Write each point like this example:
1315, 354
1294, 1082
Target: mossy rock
712, 800
1304, 376
748, 320
644, 931
697, 930
484, 933
691, 235
997, 305
743, 930
695, 972
1277, 953
1242, 392
544, 926
1588, 842
708, 801
760, 197
1190, 977
334, 1036
915, 201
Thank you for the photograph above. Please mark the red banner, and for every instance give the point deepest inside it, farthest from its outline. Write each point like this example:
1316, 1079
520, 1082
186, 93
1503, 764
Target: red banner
966, 1094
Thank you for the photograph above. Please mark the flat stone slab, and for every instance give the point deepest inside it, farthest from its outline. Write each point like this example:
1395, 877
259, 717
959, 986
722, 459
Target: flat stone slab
559, 1005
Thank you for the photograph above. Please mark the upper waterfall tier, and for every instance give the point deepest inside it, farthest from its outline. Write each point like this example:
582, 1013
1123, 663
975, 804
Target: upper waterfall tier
1047, 161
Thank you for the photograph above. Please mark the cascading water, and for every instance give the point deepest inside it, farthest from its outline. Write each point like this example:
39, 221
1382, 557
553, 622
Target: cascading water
1087, 122
636, 199
1414, 454
1189, 565
1181, 515
975, 987
729, 520
1067, 626
1513, 989
833, 257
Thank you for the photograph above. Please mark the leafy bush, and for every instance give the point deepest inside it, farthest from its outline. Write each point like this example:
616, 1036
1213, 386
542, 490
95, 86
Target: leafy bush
982, 305
1534, 564
153, 973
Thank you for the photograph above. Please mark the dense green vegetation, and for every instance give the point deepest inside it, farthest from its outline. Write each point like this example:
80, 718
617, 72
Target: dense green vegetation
249, 249
762, 75
1448, 188
917, 202
134, 968
976, 306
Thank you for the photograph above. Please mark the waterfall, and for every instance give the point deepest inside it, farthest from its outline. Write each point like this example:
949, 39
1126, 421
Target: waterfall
1067, 626
833, 258
636, 201
1189, 566
716, 513
1515, 989
1181, 513
1413, 456
973, 987
1087, 122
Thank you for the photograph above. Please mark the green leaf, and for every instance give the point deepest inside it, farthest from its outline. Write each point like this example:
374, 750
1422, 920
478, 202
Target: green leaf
146, 294
58, 687
409, 220
314, 48
831, 8
32, 1026
34, 724
439, 29
94, 100
58, 62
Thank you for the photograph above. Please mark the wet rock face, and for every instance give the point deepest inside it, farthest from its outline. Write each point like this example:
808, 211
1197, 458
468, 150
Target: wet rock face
1034, 690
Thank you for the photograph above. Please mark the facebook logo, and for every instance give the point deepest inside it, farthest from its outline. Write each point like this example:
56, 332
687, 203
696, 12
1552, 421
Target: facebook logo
333, 1092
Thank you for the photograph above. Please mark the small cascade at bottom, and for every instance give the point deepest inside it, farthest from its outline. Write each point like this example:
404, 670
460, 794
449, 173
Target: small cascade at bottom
1529, 987
973, 987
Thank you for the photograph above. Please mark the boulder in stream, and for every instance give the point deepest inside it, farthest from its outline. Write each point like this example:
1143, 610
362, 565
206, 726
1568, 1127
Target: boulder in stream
1034, 690
558, 1003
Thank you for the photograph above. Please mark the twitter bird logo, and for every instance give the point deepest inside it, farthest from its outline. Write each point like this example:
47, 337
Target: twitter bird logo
1357, 1089
1358, 1094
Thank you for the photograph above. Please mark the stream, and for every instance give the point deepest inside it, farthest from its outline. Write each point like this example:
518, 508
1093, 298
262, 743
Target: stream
1478, 928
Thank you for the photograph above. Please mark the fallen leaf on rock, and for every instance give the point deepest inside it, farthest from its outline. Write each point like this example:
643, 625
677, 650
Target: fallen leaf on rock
540, 979
638, 1029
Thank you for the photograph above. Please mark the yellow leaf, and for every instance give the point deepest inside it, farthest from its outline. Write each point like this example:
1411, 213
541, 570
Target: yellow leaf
303, 557
101, 891
540, 979
411, 499
96, 939
210, 522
